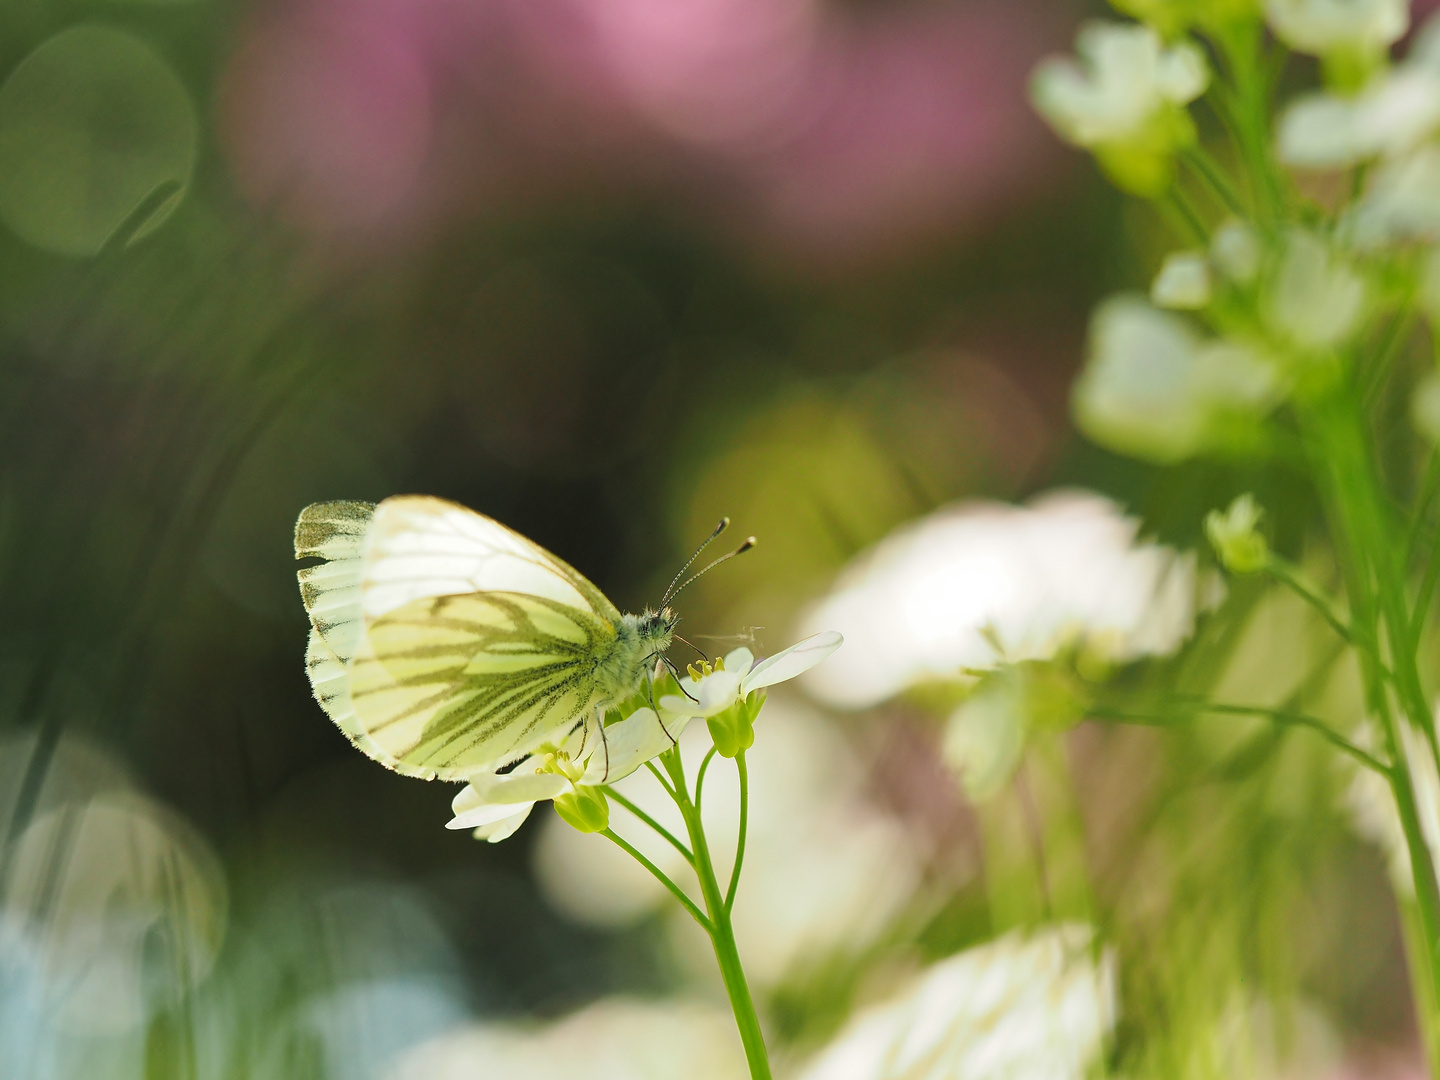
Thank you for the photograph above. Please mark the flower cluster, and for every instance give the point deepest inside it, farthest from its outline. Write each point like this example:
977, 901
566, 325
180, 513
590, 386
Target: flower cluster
573, 774
1264, 308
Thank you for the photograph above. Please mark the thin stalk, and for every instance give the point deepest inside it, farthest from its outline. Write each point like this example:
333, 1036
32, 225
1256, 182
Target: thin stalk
662, 877
1290, 577
1213, 174
700, 776
1355, 507
664, 833
722, 934
740, 835
1280, 717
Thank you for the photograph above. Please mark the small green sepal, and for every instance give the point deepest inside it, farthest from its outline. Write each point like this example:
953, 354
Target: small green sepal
733, 730
585, 809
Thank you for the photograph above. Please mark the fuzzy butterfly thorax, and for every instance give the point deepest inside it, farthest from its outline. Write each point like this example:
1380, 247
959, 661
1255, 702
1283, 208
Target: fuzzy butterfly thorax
640, 640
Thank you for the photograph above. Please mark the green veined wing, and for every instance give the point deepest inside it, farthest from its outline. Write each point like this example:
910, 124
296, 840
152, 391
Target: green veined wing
445, 686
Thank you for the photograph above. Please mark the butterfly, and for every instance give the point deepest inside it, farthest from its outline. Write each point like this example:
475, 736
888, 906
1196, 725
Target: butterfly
443, 643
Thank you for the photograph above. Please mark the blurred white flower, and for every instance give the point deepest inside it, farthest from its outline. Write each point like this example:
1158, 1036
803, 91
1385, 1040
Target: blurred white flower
1015, 1009
1124, 99
1322, 27
984, 738
1392, 115
978, 584
1154, 389
1125, 76
826, 870
1183, 282
1316, 298
1401, 203
614, 1039
1235, 250
120, 905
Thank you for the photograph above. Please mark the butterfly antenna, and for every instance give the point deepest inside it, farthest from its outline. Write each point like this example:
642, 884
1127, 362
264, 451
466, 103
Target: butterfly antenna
749, 543
672, 590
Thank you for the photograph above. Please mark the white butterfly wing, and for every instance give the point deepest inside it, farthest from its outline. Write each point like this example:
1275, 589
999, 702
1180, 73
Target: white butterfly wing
420, 546
443, 641
336, 532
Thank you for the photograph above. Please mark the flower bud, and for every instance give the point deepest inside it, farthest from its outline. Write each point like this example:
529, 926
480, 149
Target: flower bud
584, 809
1239, 545
734, 729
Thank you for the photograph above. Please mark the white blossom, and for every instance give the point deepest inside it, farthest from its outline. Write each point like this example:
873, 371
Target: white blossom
1401, 203
1322, 27
1235, 250
1154, 389
1126, 75
709, 691
1183, 282
1016, 1009
1390, 116
1315, 299
613, 1039
975, 585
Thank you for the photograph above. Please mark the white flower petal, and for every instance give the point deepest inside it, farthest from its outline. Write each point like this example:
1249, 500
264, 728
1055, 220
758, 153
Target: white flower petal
796, 660
1183, 281
629, 744
519, 786
504, 828
739, 660
1319, 27
487, 814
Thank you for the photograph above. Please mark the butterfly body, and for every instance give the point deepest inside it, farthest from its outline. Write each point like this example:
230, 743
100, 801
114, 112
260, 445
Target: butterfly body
443, 643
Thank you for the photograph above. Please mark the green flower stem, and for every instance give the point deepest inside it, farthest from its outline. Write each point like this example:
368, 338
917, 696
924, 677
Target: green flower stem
659, 829
722, 934
740, 835
1291, 578
1375, 582
660, 876
1280, 717
1216, 179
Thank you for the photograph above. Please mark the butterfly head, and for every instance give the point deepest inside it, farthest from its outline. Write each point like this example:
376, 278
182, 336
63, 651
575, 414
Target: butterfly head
657, 628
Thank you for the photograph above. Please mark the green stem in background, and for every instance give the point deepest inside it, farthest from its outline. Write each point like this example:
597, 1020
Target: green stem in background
740, 835
722, 934
1293, 579
1213, 174
1249, 109
1062, 837
1356, 507
1280, 717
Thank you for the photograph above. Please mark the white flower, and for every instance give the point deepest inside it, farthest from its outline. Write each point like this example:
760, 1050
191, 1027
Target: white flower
494, 804
1153, 389
1183, 281
1392, 115
613, 1039
1014, 1009
709, 691
827, 869
975, 585
1315, 299
1402, 203
1126, 76
1322, 27
1235, 250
